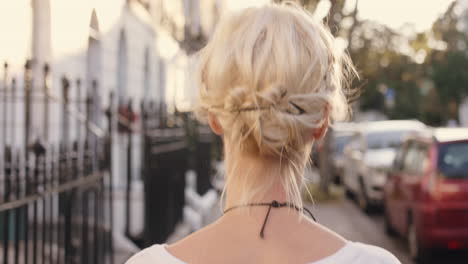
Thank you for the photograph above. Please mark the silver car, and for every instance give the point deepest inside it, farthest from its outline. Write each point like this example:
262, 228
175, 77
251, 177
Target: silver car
369, 155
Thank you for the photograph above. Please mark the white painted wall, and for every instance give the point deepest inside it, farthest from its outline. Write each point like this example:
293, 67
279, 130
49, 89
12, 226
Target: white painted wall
68, 47
65, 42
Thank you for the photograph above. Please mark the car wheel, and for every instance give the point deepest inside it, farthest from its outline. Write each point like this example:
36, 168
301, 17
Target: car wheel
417, 252
388, 224
362, 199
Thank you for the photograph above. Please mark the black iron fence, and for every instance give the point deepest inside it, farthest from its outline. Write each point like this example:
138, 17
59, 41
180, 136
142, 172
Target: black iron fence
56, 195
172, 144
55, 204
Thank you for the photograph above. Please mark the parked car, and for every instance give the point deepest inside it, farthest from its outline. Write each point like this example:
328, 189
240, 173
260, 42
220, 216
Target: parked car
426, 196
369, 155
339, 136
342, 134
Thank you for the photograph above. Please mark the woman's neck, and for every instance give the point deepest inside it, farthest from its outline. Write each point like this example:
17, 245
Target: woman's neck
265, 171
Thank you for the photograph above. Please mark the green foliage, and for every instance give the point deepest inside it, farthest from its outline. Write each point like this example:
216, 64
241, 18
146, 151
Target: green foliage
426, 78
450, 75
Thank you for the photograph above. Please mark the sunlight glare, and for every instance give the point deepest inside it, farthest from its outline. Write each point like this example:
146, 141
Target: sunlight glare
15, 26
239, 4
420, 13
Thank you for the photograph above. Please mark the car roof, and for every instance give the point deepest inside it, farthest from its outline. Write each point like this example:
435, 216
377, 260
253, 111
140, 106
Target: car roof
393, 125
448, 134
344, 126
441, 134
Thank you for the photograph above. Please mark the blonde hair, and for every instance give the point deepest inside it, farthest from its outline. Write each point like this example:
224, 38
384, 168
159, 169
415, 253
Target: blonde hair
270, 75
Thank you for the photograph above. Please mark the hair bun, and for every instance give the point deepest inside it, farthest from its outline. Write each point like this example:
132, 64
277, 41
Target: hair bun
236, 98
274, 96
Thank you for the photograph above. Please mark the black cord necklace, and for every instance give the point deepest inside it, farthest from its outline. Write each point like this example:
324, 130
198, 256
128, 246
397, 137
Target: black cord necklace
274, 204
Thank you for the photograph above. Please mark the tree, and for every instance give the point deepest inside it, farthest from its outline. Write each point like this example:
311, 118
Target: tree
447, 67
425, 78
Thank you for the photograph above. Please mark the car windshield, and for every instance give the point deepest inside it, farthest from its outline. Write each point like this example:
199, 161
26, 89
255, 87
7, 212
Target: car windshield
340, 142
453, 160
385, 139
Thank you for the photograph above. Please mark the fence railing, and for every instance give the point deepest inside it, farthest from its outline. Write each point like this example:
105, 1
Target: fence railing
56, 195
172, 144
55, 204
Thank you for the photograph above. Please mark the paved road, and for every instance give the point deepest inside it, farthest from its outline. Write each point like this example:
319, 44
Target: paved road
347, 220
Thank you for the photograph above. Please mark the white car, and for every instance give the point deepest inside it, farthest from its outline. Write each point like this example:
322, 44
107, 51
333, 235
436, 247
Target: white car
369, 155
341, 134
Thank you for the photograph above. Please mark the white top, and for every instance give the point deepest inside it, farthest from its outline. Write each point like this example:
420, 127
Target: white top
351, 253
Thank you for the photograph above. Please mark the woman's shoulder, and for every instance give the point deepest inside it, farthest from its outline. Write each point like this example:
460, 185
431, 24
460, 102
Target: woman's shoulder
363, 253
155, 254
352, 253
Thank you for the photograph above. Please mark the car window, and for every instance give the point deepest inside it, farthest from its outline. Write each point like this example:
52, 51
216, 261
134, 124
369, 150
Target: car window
399, 157
423, 160
385, 139
340, 141
416, 159
453, 160
354, 143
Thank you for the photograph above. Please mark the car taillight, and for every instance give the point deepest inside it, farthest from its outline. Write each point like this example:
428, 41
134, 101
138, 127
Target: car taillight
454, 244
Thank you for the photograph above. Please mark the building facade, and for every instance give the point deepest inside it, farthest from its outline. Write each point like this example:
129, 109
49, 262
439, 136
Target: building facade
109, 43
138, 50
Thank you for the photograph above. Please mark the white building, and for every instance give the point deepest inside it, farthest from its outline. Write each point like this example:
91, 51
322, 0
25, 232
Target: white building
112, 42
135, 48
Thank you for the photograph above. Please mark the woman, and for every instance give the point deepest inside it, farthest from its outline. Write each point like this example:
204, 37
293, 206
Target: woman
271, 79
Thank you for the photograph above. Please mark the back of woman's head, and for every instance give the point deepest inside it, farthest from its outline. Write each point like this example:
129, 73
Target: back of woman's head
271, 75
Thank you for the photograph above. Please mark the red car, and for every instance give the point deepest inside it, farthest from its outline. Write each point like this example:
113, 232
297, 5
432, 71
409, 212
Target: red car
426, 195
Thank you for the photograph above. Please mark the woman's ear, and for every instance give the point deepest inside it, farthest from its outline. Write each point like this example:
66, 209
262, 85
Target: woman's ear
214, 124
320, 132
